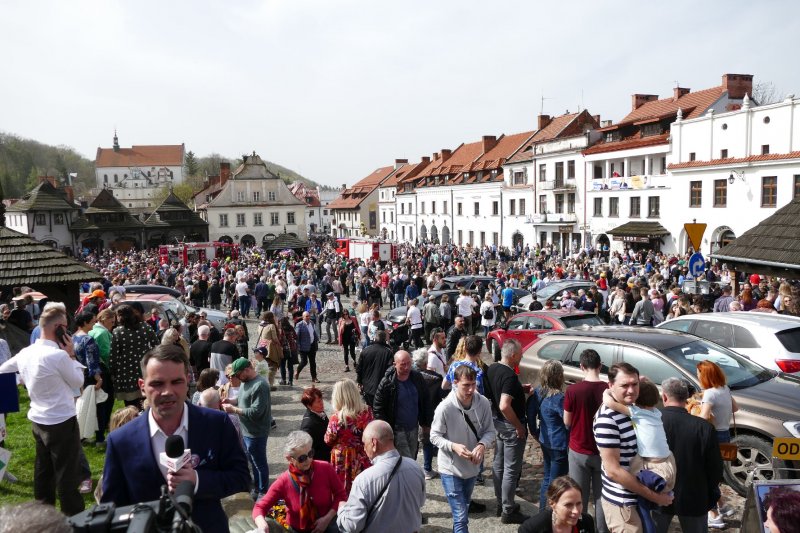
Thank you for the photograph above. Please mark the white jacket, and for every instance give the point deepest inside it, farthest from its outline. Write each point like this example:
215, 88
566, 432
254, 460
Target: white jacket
449, 426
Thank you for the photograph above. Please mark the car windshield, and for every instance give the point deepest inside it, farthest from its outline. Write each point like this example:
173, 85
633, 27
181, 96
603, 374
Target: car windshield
581, 320
548, 291
740, 372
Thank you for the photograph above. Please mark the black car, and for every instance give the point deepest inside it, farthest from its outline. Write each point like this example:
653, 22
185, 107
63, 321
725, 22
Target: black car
554, 290
398, 314
464, 282
152, 289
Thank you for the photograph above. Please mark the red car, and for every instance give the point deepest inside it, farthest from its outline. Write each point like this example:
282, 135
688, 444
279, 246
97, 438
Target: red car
526, 327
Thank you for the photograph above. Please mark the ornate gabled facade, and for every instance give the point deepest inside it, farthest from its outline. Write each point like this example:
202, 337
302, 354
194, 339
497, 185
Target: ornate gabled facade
253, 207
46, 214
173, 221
106, 223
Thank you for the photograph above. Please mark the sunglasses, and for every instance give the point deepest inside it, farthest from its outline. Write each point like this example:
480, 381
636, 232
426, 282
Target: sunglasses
306, 456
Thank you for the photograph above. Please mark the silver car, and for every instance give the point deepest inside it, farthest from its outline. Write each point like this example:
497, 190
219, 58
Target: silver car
769, 339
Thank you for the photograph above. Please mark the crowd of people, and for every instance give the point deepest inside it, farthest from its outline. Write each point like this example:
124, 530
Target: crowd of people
602, 443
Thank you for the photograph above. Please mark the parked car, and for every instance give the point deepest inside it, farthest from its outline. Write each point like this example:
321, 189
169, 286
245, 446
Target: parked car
398, 314
152, 289
463, 282
769, 401
174, 309
769, 339
526, 327
555, 291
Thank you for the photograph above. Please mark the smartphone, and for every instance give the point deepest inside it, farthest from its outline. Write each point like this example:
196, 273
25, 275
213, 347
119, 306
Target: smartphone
61, 333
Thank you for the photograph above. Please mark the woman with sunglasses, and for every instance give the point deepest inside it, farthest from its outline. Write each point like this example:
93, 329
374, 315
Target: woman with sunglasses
311, 489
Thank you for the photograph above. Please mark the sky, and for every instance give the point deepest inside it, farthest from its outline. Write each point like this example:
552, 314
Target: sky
334, 89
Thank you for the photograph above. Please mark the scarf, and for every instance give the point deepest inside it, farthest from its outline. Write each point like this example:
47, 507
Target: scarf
301, 480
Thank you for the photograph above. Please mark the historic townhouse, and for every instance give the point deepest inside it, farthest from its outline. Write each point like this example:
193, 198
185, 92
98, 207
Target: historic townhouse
309, 196
628, 166
387, 193
46, 213
355, 211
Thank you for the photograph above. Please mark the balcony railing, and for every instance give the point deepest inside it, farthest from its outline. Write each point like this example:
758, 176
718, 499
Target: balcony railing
631, 183
564, 184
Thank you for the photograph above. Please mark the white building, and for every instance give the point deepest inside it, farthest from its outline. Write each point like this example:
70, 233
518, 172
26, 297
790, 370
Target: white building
134, 175
731, 170
631, 189
326, 196
387, 196
355, 211
253, 207
46, 214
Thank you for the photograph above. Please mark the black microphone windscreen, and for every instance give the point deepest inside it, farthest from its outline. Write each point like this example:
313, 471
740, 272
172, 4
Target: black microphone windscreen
174, 446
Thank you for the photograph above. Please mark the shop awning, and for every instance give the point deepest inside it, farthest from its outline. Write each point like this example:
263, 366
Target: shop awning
636, 231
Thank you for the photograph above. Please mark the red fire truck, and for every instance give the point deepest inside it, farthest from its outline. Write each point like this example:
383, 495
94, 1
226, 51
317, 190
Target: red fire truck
191, 252
366, 249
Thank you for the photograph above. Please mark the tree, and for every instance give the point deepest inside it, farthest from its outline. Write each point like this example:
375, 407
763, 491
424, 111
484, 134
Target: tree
183, 191
190, 165
765, 92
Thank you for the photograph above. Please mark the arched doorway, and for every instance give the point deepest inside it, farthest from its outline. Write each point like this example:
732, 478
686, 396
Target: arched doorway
722, 236
51, 243
602, 242
123, 244
92, 244
517, 240
434, 234
445, 235
226, 239
248, 240
423, 233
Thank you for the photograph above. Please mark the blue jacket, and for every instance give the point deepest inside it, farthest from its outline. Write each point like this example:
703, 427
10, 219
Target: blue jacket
546, 420
131, 473
305, 339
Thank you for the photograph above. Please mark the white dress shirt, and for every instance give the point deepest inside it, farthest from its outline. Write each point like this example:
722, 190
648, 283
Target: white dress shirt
50, 375
158, 439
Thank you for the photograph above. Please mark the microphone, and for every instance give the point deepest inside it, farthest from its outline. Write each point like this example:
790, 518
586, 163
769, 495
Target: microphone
184, 495
174, 455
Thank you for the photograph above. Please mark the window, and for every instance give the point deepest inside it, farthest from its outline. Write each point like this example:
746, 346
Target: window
597, 173
459, 211
40, 219
555, 350
444, 207
223, 221
391, 217
723, 154
559, 203
58, 219
116, 178
472, 238
796, 186
522, 205
769, 191
695, 193
483, 239
403, 232
663, 164
383, 217
613, 207
764, 149
271, 196
477, 208
654, 207
257, 220
495, 208
560, 171
605, 351
496, 238
240, 196
240, 219
542, 203
542, 172
256, 196
373, 219
402, 209
290, 217
512, 207
571, 168
720, 193
325, 212
692, 156
519, 177
648, 364
433, 207
274, 221
422, 207
460, 237
636, 207
598, 207
571, 203
105, 178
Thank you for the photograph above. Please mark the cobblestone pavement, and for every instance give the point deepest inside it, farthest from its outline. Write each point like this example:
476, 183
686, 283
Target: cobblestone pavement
288, 412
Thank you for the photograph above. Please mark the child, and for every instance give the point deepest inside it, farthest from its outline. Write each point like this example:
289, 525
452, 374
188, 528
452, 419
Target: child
653, 451
261, 365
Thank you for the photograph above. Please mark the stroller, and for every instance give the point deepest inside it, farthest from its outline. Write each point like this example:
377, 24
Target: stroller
399, 337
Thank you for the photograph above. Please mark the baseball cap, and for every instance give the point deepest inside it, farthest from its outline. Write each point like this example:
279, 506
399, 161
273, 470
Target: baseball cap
261, 349
240, 364
98, 294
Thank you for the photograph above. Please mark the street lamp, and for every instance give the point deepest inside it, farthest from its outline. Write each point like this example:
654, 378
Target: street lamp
735, 175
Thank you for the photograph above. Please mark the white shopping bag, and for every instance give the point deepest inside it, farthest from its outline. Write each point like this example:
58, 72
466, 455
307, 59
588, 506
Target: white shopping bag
86, 407
5, 456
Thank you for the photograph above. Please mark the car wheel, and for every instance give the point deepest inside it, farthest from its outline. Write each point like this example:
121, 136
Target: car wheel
753, 463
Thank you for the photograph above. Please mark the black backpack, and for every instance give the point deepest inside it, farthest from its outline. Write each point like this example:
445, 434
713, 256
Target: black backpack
488, 314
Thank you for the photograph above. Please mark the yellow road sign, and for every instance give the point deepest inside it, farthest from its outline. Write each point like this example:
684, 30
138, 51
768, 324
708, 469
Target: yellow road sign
695, 232
786, 448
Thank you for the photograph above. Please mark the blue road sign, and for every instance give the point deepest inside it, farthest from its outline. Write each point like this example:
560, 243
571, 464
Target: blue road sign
697, 265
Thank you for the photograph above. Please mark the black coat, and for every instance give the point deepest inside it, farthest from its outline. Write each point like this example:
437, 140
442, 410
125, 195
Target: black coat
385, 407
315, 425
372, 365
698, 463
453, 336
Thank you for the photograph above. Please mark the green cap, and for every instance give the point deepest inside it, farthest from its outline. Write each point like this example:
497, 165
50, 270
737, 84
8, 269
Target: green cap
240, 364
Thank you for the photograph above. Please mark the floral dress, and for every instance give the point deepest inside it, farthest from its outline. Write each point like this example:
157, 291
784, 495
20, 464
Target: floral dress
347, 451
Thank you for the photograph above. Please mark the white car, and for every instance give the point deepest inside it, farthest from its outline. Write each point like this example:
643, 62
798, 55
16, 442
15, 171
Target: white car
769, 339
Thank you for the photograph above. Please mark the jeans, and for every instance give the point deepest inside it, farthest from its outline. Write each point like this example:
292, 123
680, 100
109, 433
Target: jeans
349, 349
398, 300
428, 449
507, 464
486, 330
364, 336
244, 306
256, 450
56, 466
286, 363
328, 325
689, 524
585, 470
555, 465
459, 494
407, 442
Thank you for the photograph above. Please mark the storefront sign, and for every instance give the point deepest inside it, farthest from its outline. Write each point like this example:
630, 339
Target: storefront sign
565, 229
631, 238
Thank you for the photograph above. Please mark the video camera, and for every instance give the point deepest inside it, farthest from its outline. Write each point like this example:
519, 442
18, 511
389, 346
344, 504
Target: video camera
170, 513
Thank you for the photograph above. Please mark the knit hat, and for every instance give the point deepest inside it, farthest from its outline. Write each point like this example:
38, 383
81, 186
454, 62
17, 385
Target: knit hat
240, 364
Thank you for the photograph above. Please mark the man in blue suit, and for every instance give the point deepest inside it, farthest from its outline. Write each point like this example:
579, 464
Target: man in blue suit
218, 467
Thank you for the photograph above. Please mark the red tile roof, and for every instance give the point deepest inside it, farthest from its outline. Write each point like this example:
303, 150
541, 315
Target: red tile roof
698, 101
140, 156
634, 141
407, 171
352, 197
734, 160
463, 155
566, 125
305, 194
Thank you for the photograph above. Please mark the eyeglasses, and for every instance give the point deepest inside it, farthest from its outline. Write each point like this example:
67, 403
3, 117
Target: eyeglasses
306, 456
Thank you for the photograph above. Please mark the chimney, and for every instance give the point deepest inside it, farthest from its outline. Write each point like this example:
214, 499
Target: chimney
213, 180
544, 120
605, 123
677, 92
399, 163
70, 193
446, 154
435, 156
224, 173
737, 85
638, 100
344, 187
489, 142
426, 159
596, 118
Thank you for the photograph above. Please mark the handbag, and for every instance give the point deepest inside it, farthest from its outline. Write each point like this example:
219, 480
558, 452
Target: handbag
728, 450
383, 490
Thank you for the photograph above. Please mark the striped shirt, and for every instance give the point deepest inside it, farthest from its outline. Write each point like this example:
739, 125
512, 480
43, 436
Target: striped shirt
615, 430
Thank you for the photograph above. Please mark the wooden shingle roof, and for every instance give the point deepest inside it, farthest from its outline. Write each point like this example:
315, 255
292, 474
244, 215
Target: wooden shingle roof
285, 241
637, 228
43, 197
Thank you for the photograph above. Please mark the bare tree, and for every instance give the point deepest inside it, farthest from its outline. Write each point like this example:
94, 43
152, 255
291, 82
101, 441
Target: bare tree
765, 92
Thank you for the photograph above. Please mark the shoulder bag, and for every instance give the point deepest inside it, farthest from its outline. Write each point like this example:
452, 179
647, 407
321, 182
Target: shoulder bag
729, 450
383, 490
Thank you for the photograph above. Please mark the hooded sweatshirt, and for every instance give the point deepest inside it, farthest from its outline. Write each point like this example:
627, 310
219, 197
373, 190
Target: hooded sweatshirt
449, 426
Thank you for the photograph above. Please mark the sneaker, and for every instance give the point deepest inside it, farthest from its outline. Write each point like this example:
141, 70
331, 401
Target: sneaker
85, 487
499, 509
726, 511
716, 523
514, 518
476, 507
431, 474
480, 480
